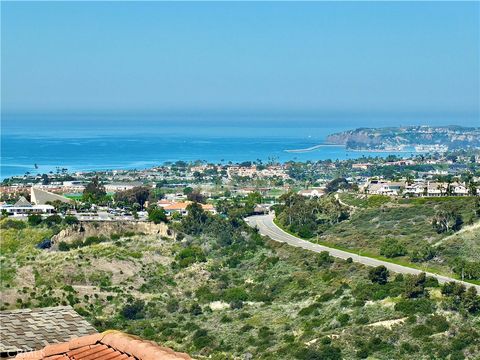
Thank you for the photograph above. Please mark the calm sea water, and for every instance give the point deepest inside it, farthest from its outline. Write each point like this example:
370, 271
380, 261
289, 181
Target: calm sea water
114, 141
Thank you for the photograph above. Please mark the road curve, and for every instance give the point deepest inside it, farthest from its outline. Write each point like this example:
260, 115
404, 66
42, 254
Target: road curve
267, 227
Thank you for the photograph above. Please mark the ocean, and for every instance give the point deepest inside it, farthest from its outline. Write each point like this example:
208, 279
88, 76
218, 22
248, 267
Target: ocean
81, 142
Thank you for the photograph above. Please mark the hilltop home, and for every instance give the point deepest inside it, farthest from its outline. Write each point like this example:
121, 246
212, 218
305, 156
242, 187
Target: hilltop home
416, 189
460, 190
380, 187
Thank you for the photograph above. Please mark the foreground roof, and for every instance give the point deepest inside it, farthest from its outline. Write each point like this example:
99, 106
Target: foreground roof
32, 329
110, 345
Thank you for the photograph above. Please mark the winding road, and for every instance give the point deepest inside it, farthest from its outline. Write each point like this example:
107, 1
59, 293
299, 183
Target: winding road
267, 227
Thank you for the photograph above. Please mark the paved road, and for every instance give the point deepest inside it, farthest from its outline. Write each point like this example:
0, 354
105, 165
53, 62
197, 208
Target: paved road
267, 227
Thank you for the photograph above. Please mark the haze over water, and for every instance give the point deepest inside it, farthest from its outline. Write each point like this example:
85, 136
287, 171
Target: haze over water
126, 141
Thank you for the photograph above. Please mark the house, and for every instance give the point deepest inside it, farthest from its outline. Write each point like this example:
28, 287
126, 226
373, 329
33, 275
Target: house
415, 189
434, 189
459, 189
181, 208
310, 193
23, 207
388, 188
122, 186
31, 329
361, 166
261, 209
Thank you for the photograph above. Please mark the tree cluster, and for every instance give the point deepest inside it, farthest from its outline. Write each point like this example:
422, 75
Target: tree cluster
307, 217
94, 192
135, 197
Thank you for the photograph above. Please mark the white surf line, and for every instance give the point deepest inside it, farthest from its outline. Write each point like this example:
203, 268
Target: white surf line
312, 148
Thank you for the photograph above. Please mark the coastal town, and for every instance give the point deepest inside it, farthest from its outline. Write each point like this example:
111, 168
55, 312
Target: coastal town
173, 186
240, 180
112, 249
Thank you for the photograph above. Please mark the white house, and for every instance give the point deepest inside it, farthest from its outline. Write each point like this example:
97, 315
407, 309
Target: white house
459, 190
311, 193
23, 207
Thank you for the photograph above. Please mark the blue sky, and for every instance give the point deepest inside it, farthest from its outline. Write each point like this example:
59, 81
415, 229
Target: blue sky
157, 56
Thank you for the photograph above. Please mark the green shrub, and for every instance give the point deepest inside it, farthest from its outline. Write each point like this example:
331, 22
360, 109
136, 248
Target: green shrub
195, 309
343, 319
53, 220
92, 240
235, 294
13, 224
309, 309
324, 258
420, 331
324, 352
63, 246
201, 339
70, 220
391, 248
378, 275
438, 323
172, 306
34, 219
133, 310
190, 255
415, 306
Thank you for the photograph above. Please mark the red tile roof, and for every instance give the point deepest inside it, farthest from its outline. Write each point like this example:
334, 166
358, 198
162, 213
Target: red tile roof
110, 345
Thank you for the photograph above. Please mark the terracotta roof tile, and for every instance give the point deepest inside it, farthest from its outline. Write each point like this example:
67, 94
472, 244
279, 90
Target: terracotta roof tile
56, 349
110, 345
85, 340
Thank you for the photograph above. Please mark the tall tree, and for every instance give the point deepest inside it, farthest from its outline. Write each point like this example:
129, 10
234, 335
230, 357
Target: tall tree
94, 191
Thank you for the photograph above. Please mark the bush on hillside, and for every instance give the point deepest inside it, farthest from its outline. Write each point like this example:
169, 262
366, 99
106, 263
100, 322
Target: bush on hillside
392, 248
13, 224
34, 219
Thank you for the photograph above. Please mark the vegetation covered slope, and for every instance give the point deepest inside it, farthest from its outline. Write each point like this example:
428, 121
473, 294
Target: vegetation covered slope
222, 291
440, 234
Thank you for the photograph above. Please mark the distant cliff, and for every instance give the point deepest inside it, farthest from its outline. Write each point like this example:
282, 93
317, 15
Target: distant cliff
400, 138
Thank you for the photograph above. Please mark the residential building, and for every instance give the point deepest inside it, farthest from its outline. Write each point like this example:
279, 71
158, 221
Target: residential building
23, 207
310, 193
181, 207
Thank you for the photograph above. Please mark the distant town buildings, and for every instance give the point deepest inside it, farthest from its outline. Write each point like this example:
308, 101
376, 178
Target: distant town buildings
316, 192
417, 188
180, 208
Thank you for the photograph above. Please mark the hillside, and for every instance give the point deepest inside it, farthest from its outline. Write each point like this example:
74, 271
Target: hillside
407, 138
222, 291
399, 230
